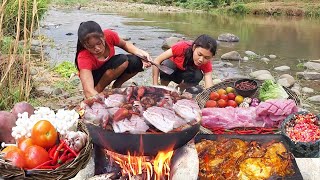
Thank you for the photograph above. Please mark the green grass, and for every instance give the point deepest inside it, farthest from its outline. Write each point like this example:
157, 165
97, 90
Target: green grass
65, 69
69, 2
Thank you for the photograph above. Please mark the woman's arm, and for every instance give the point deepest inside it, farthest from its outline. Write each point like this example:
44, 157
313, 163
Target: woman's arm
208, 80
158, 60
130, 48
87, 83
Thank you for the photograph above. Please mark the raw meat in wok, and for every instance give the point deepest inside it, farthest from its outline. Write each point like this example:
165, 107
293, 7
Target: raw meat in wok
187, 109
163, 119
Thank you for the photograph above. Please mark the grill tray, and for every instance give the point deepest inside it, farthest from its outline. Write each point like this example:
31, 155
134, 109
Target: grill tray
260, 139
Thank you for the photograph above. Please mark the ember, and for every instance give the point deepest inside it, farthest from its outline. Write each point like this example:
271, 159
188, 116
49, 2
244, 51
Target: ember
148, 167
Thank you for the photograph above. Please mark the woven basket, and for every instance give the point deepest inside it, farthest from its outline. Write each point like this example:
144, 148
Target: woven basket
301, 149
203, 97
65, 171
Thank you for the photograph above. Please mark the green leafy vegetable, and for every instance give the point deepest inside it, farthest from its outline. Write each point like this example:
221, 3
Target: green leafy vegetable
65, 69
271, 90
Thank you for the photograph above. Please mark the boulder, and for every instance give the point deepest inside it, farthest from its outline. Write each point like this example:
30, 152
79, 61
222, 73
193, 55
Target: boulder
314, 98
272, 56
263, 77
288, 78
233, 56
308, 75
264, 59
228, 37
259, 72
312, 65
169, 42
307, 90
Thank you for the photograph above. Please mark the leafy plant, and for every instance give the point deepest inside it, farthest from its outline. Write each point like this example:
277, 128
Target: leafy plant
65, 69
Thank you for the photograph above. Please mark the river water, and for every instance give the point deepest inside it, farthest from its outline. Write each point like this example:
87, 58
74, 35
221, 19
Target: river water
292, 40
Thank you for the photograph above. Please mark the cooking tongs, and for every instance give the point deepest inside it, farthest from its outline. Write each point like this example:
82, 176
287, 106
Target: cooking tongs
162, 68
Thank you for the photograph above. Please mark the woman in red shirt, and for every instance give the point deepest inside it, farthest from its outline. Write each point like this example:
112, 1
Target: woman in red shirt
96, 60
191, 63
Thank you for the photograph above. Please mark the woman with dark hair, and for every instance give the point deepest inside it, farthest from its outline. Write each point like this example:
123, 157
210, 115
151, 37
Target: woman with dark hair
97, 63
191, 63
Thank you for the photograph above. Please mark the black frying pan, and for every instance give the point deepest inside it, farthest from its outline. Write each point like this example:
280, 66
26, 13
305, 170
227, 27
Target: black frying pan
141, 144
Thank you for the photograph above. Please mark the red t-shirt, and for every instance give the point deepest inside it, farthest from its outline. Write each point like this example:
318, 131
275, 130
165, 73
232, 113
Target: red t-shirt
86, 60
178, 51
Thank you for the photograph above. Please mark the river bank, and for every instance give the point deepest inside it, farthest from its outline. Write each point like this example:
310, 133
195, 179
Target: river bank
265, 8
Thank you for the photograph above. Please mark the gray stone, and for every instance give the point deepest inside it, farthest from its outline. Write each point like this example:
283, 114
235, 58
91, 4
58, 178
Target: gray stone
312, 65
308, 75
44, 91
272, 56
265, 59
228, 37
250, 53
33, 71
286, 80
263, 77
282, 68
296, 90
57, 91
169, 42
35, 42
245, 58
233, 56
259, 72
314, 98
307, 90
317, 61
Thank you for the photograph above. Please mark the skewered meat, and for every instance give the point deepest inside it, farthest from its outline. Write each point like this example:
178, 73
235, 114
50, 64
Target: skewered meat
163, 119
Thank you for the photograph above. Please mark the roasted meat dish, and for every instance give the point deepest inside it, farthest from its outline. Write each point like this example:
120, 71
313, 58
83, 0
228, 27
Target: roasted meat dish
237, 159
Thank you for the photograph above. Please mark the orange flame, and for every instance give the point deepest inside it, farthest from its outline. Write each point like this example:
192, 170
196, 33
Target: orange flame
159, 168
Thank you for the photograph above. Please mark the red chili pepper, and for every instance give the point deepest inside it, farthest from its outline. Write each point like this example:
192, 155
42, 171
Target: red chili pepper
63, 158
43, 164
71, 155
56, 153
71, 150
52, 151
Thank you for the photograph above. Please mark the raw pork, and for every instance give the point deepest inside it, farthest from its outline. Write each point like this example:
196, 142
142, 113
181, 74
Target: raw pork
135, 125
187, 109
163, 119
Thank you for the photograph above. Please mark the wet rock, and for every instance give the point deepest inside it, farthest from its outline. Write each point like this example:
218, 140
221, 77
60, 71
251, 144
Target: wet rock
264, 59
272, 56
125, 38
259, 72
250, 53
312, 65
282, 68
307, 90
263, 77
245, 58
308, 75
233, 56
169, 42
315, 99
228, 37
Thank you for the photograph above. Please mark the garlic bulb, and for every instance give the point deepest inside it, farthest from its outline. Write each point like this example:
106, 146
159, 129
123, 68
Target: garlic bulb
247, 100
244, 105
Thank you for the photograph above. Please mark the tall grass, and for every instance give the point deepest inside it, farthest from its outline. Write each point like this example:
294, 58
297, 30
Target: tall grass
17, 19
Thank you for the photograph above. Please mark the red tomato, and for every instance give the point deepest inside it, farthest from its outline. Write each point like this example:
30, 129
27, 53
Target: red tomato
224, 97
231, 96
211, 103
16, 157
232, 103
222, 103
214, 96
25, 143
44, 134
35, 155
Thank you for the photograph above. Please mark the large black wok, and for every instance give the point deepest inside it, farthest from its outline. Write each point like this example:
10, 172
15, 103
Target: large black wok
141, 144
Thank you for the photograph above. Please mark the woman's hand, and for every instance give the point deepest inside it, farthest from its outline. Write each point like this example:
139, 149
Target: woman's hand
145, 55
